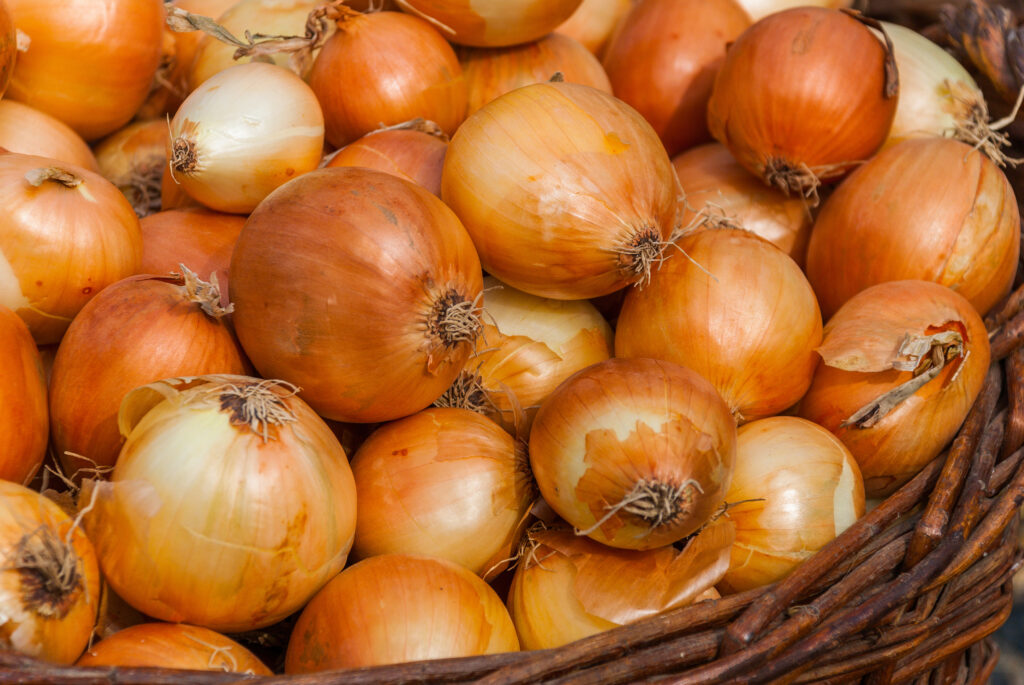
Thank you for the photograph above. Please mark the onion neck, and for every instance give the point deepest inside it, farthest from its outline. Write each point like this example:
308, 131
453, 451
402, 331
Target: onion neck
639, 253
453, 320
656, 503
37, 177
466, 392
50, 573
205, 294
255, 405
183, 154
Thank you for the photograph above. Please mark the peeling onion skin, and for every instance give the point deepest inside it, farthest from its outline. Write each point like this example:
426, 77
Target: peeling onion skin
929, 209
24, 419
634, 427
492, 23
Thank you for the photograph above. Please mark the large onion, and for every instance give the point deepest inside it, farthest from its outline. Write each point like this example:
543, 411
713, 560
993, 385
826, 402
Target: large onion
231, 504
24, 420
567, 191
415, 153
134, 159
31, 132
201, 238
360, 288
492, 23
594, 21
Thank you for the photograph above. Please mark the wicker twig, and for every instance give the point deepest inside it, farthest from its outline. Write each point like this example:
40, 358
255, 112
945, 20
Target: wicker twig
1008, 338
1015, 399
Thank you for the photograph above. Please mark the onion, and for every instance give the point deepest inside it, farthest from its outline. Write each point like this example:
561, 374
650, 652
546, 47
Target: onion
65, 234
243, 133
795, 488
231, 504
759, 9
491, 72
395, 608
201, 238
49, 582
528, 346
567, 191
568, 587
444, 482
169, 645
738, 311
24, 421
90, 64
8, 47
902, 363
172, 196
721, 193
636, 452
593, 22
414, 152
492, 23
663, 59
360, 288
134, 332
928, 209
803, 96
360, 91
134, 159
31, 132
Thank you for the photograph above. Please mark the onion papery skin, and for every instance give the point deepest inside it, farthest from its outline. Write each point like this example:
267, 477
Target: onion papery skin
133, 159
566, 191
8, 47
795, 488
802, 97
492, 23
715, 186
449, 483
929, 209
360, 92
31, 132
60, 245
629, 427
759, 9
243, 133
492, 72
197, 237
24, 419
214, 519
413, 155
396, 608
53, 625
568, 587
90, 64
594, 21
342, 281
134, 332
173, 645
859, 347
663, 58
739, 312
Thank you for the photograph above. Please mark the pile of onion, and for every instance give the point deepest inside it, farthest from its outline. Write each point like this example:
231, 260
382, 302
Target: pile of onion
134, 159
413, 150
492, 23
24, 420
32, 132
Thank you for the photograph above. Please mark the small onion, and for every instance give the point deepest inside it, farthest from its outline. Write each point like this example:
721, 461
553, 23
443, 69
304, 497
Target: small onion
594, 21
49, 582
929, 209
637, 453
133, 159
444, 482
663, 58
201, 238
803, 96
759, 9
173, 645
414, 153
24, 420
243, 133
491, 72
566, 190
492, 23
738, 311
65, 234
719, 192
902, 363
795, 488
8, 47
231, 504
32, 132
395, 608
360, 288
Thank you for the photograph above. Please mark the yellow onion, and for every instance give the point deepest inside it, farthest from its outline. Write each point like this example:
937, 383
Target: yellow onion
929, 209
49, 581
133, 159
636, 453
566, 191
736, 310
173, 645
594, 21
719, 192
65, 234
758, 9
795, 488
902, 363
415, 153
24, 420
491, 72
32, 132
395, 608
88, 64
8, 47
527, 347
231, 504
492, 23
444, 482
567, 587
200, 238
243, 133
